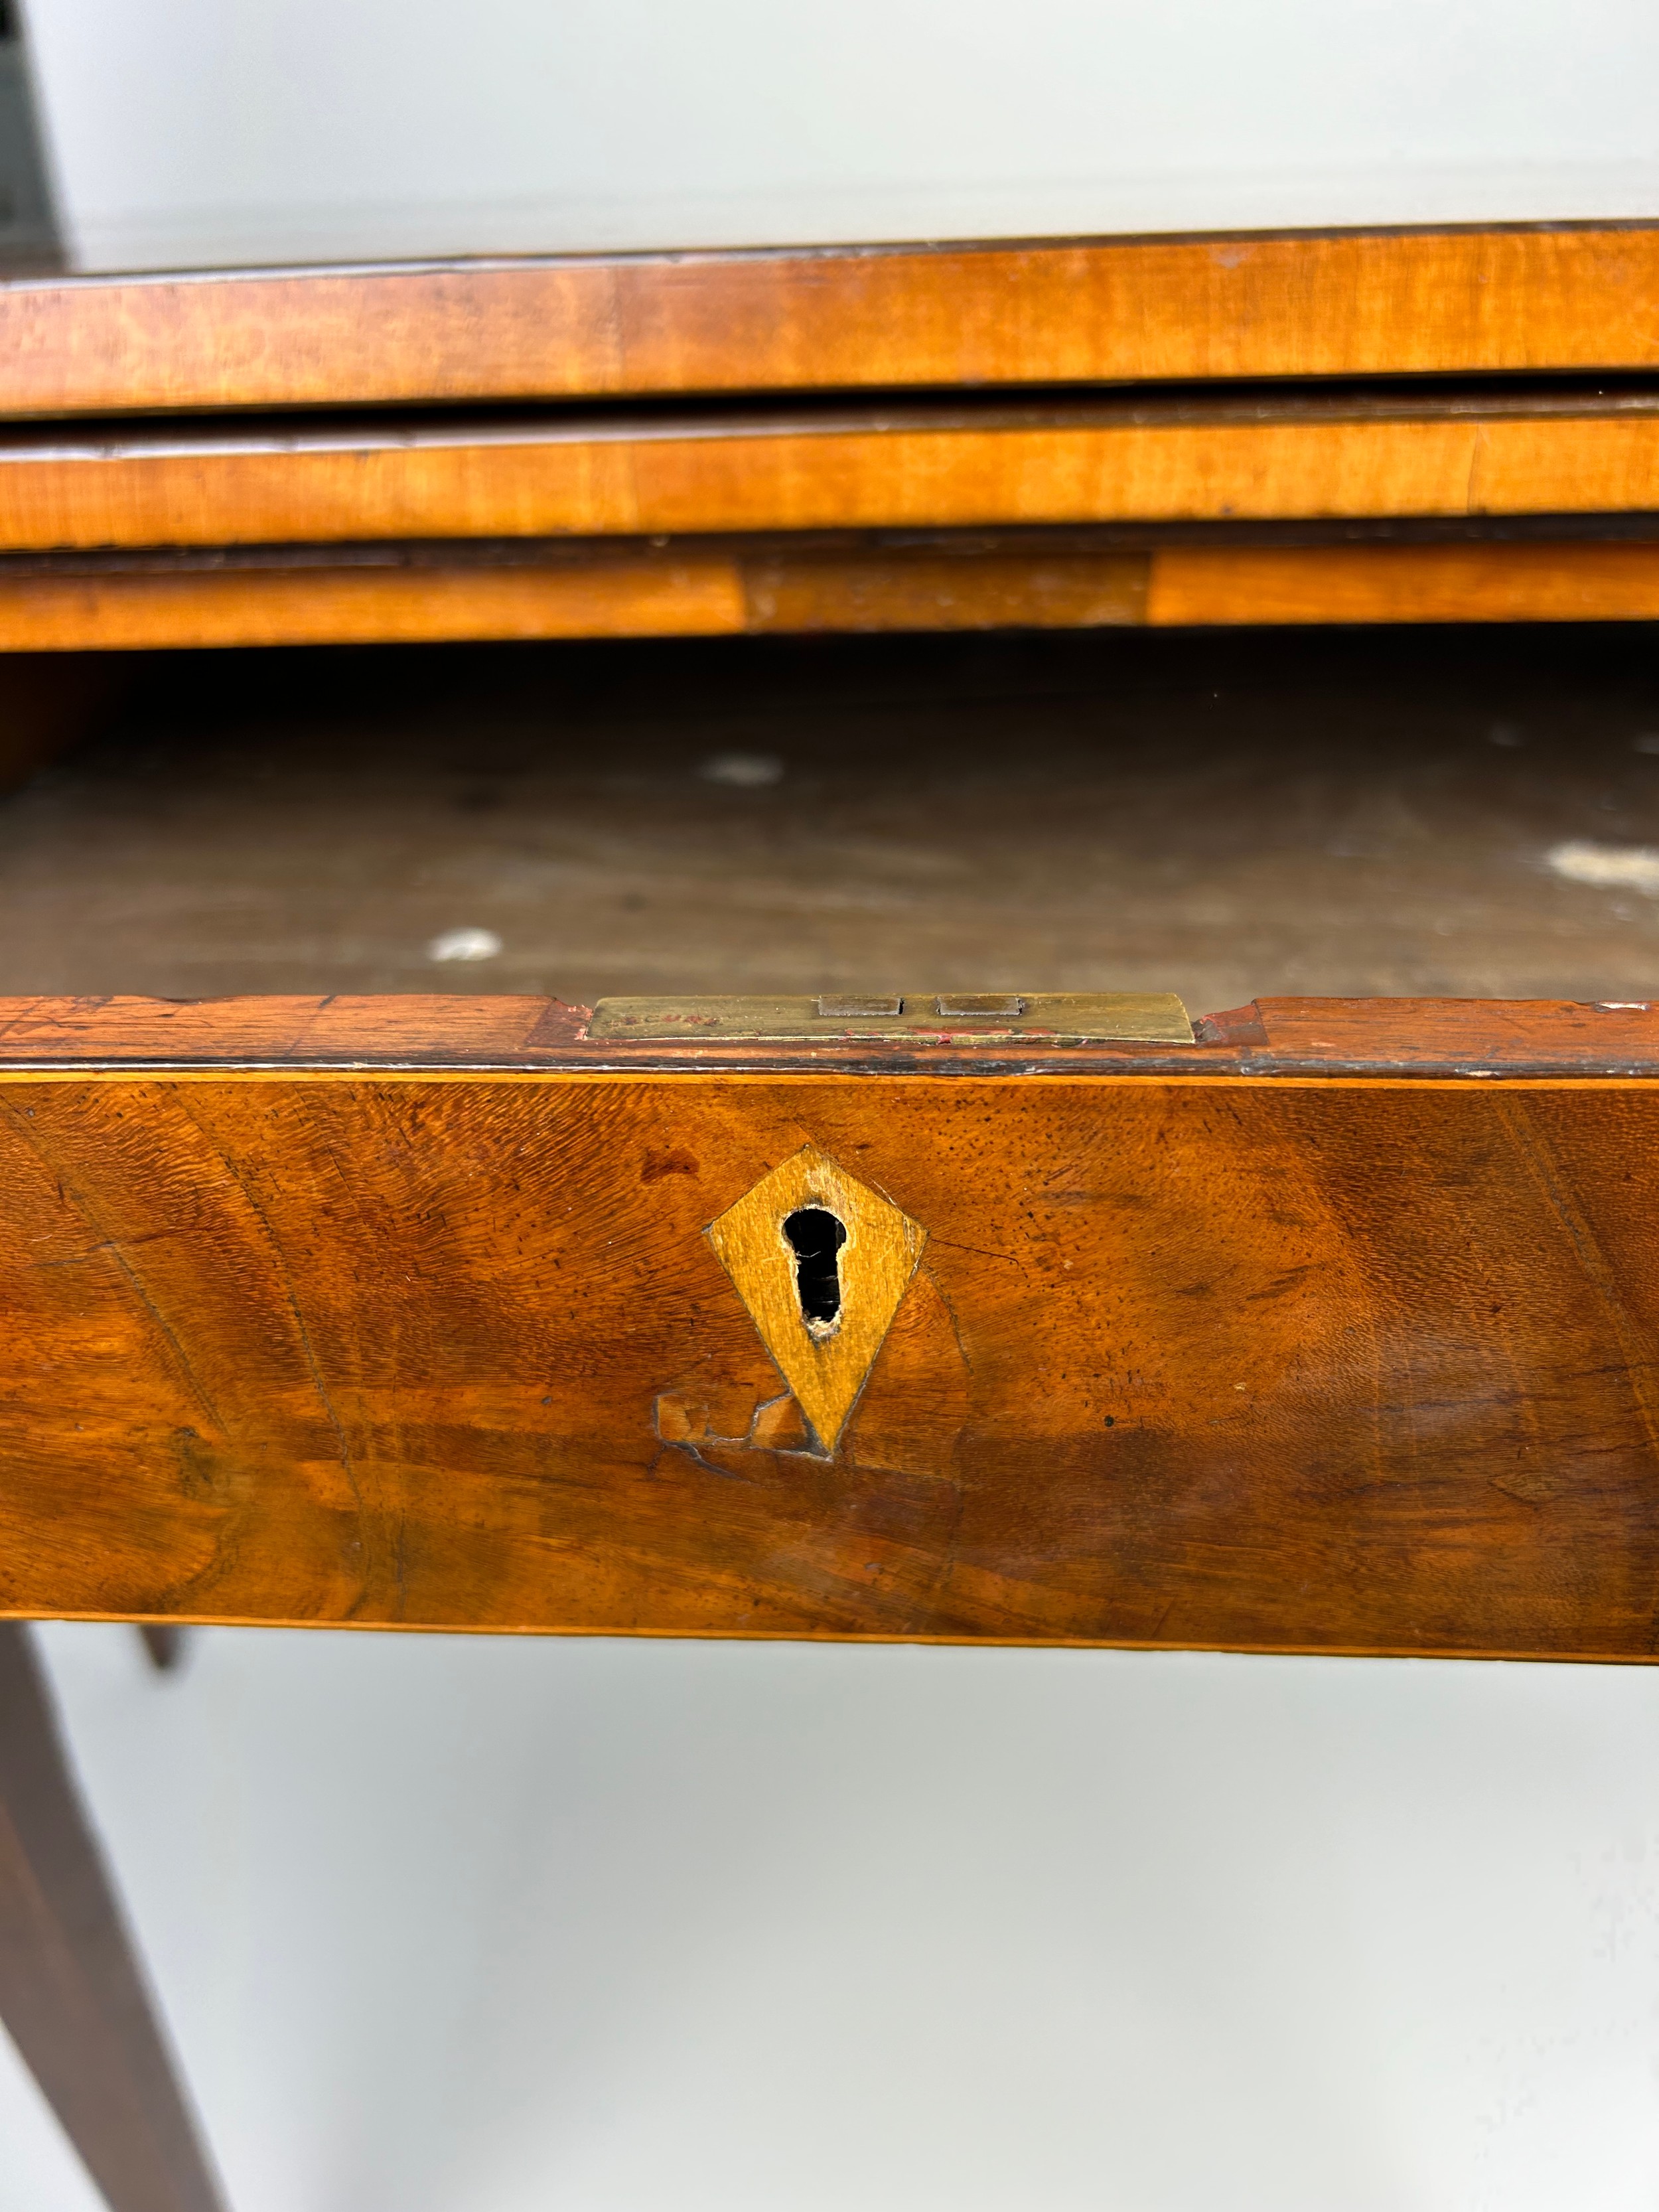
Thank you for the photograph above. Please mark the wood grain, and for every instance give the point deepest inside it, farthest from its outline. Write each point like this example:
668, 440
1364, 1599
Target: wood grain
1560, 582
971, 586
695, 594
1311, 304
687, 589
894, 469
421, 1034
1333, 1363
72, 1993
356, 1398
681, 589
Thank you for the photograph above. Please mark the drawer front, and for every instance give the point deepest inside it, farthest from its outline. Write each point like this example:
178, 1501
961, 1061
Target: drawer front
1343, 1364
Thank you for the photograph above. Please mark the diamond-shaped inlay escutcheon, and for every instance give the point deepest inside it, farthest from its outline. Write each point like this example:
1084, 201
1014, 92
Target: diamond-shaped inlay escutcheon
822, 1262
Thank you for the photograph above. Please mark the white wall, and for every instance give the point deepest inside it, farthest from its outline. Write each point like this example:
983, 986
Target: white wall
477, 1926
197, 131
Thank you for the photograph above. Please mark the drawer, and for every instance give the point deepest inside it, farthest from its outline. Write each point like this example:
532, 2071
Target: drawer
1320, 1324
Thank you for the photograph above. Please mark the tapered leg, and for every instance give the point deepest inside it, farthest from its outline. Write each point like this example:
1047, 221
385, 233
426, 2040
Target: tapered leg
71, 1992
164, 1645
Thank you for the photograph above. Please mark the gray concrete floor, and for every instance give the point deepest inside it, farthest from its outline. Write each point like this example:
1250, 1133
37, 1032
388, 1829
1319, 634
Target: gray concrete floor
1222, 815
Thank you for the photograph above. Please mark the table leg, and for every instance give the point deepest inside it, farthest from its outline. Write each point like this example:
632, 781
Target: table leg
72, 1993
164, 1645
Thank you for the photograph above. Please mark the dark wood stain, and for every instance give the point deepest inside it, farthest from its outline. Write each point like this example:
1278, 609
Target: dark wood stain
72, 1993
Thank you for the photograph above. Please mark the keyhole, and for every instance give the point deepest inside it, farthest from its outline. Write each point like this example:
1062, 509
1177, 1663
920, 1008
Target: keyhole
816, 1237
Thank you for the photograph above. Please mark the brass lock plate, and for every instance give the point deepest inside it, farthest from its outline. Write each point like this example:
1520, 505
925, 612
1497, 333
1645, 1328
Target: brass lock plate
1047, 1018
